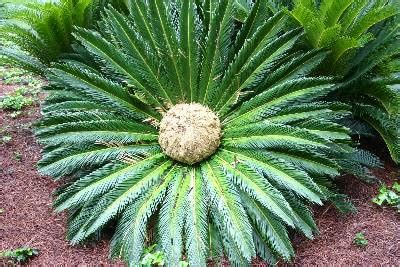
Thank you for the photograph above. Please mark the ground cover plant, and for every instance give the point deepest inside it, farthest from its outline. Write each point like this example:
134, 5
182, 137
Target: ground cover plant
26, 94
388, 196
19, 255
360, 240
15, 101
205, 135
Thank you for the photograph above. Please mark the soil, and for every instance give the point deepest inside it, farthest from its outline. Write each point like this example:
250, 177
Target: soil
28, 219
334, 245
26, 200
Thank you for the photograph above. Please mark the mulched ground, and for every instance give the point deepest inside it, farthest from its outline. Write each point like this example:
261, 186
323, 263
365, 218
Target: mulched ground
26, 197
334, 245
28, 219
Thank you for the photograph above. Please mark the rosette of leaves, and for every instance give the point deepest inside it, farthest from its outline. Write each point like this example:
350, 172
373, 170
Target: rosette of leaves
281, 145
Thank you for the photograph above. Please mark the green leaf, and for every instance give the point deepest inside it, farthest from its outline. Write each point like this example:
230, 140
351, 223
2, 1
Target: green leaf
396, 186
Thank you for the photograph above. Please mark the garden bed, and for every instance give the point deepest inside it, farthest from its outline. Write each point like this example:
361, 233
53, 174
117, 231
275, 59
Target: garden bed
27, 217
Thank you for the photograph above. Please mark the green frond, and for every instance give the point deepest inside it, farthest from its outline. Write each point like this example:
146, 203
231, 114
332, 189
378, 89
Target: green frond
263, 249
269, 101
116, 63
281, 172
100, 89
341, 26
266, 135
308, 161
255, 185
189, 49
126, 192
73, 105
214, 240
231, 250
172, 217
66, 160
165, 38
19, 58
255, 69
370, 87
387, 126
302, 216
101, 181
211, 70
130, 234
298, 66
43, 30
225, 198
133, 45
270, 230
196, 220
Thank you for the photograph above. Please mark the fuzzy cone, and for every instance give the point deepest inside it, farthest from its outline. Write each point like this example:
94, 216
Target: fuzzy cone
189, 133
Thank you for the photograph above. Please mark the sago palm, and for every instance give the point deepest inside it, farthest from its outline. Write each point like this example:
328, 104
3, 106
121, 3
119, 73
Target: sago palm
36, 33
196, 128
362, 37
342, 26
371, 85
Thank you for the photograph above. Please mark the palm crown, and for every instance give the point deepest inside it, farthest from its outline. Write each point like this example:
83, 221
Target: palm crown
280, 146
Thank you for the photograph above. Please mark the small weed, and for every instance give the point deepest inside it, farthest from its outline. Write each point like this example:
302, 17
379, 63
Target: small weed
396, 187
389, 196
11, 76
34, 83
154, 257
15, 101
15, 114
19, 255
4, 129
360, 240
24, 95
17, 156
6, 139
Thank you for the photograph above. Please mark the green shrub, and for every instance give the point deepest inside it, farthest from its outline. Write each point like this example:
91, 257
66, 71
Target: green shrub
371, 86
362, 37
281, 147
341, 26
36, 33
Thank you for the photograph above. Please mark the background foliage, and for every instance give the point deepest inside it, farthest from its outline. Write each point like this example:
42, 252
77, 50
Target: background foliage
36, 33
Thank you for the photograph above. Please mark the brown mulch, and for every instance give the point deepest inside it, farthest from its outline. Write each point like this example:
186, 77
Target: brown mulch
334, 245
28, 218
26, 200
